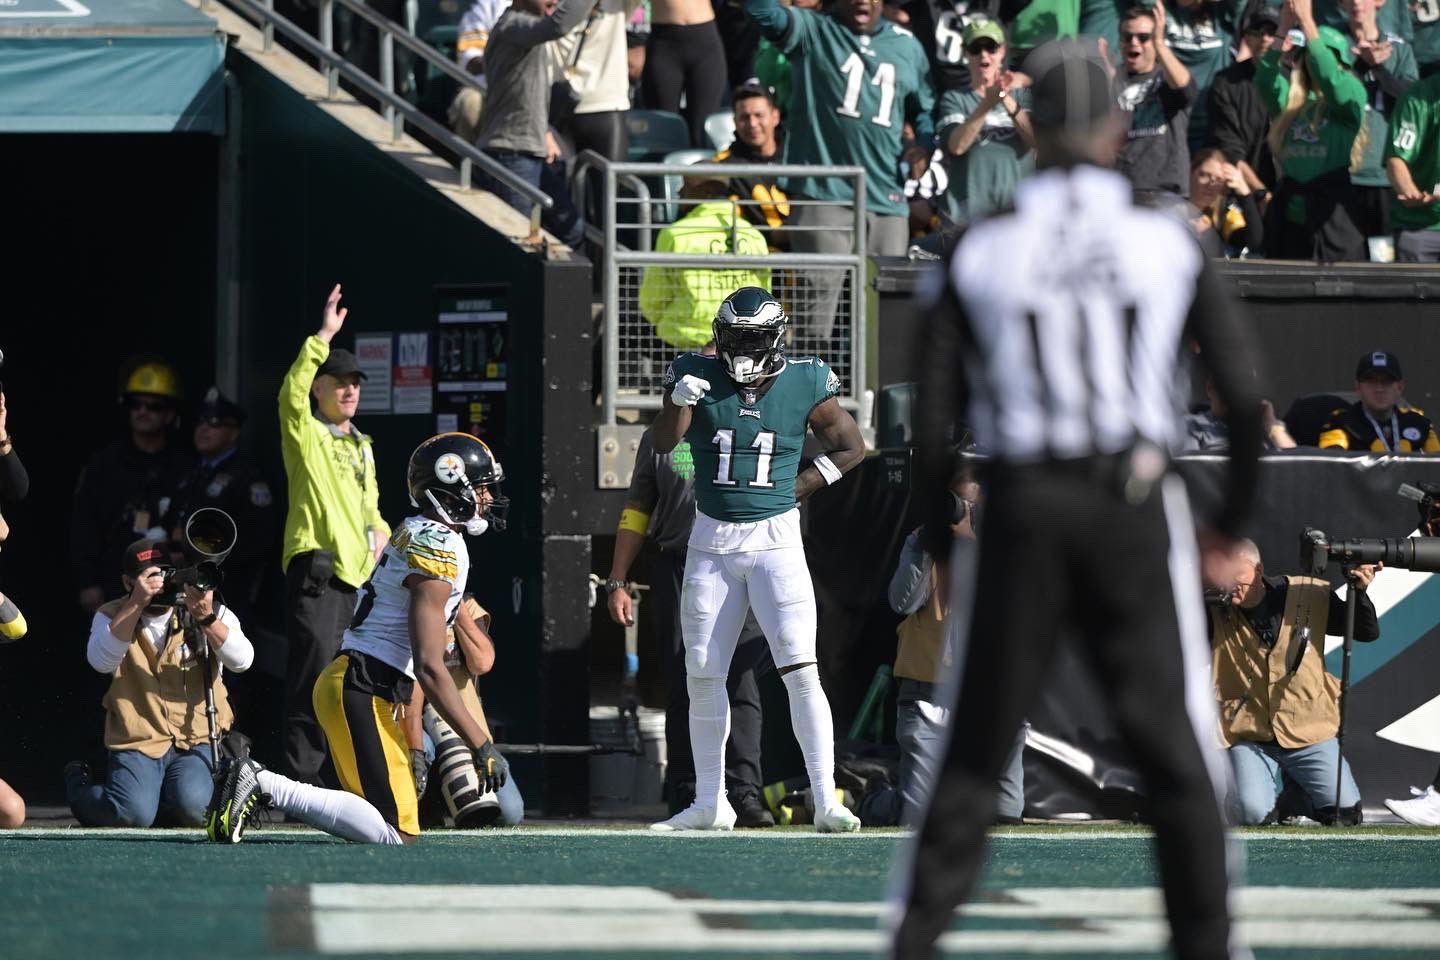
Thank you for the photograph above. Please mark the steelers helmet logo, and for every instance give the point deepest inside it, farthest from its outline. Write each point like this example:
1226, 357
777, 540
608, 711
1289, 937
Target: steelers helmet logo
449, 468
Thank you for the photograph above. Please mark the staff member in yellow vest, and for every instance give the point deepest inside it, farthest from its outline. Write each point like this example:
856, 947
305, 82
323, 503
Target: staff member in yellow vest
160, 767
1279, 708
918, 590
334, 530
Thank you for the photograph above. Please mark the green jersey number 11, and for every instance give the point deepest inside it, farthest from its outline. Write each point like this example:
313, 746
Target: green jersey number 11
724, 441
854, 70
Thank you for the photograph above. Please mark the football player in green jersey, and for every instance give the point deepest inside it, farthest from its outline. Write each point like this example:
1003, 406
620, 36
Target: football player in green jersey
745, 412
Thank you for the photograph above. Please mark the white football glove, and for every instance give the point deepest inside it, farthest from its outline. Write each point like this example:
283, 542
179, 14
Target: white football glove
688, 390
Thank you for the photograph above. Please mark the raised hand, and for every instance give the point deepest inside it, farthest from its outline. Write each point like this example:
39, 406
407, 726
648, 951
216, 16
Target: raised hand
333, 318
689, 390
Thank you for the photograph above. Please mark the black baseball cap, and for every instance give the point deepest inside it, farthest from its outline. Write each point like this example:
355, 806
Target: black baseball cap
144, 553
1379, 362
340, 363
217, 408
1071, 89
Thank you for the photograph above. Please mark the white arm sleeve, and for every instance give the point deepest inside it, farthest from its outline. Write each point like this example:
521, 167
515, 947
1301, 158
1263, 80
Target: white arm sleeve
237, 652
105, 650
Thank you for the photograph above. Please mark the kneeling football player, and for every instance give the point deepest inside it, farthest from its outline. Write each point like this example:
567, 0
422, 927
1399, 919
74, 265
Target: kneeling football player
397, 637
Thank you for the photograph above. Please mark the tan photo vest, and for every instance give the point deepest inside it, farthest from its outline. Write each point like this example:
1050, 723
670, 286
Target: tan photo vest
157, 700
1282, 694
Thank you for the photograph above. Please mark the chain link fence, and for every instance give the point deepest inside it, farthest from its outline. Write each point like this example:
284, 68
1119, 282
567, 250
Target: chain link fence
658, 303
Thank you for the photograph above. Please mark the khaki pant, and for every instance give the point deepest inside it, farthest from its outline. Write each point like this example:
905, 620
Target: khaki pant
464, 113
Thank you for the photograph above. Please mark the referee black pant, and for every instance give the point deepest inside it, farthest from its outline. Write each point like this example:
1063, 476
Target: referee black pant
1062, 548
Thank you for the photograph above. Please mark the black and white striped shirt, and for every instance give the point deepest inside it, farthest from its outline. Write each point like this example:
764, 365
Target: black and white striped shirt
1061, 326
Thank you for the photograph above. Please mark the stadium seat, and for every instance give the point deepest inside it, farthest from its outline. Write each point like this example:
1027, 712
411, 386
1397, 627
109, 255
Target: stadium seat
894, 410
655, 133
1308, 414
720, 128
435, 90
669, 210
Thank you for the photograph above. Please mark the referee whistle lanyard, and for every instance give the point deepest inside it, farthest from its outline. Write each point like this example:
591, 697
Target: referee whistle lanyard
1394, 431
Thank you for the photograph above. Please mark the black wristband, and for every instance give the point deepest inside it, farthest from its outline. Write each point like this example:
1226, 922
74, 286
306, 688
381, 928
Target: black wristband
207, 621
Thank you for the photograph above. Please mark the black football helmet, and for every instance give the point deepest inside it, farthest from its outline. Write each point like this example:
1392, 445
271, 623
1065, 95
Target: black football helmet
446, 473
749, 332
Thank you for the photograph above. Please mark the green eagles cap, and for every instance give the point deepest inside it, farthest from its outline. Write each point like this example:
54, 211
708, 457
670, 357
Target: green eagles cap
982, 29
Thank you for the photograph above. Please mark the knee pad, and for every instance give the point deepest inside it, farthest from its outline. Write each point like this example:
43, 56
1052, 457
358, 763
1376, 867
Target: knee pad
705, 694
699, 664
454, 770
12, 621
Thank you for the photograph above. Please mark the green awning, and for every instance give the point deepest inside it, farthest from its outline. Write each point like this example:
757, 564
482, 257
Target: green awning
110, 66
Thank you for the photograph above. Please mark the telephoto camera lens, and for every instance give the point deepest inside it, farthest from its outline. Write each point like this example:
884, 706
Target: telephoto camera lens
454, 770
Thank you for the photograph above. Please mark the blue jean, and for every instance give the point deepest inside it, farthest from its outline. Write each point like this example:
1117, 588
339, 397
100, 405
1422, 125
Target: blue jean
512, 804
138, 790
920, 730
1261, 769
563, 219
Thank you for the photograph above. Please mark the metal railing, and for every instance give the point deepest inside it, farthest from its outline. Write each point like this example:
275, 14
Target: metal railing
824, 293
396, 109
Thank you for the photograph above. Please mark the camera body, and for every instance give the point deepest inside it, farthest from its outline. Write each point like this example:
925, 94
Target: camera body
203, 576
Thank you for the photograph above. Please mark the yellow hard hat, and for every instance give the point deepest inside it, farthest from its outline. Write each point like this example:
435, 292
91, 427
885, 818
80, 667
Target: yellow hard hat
156, 378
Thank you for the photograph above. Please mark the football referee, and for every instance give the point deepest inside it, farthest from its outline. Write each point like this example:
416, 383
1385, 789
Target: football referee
1062, 358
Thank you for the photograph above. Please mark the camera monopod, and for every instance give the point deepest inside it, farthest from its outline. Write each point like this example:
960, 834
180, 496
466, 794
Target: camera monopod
210, 535
1352, 597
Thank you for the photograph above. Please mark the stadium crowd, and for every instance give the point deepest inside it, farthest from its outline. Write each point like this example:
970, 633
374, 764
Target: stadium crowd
1301, 130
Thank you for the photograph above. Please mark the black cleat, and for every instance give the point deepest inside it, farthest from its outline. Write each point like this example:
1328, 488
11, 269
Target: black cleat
750, 811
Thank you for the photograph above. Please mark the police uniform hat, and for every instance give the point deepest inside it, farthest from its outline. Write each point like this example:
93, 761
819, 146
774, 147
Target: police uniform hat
216, 408
145, 553
1379, 362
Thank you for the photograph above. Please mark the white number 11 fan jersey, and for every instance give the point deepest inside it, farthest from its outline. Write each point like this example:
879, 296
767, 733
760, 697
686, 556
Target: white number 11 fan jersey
381, 625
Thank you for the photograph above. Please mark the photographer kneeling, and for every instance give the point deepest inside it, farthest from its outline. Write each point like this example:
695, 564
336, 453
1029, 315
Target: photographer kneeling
1279, 707
155, 718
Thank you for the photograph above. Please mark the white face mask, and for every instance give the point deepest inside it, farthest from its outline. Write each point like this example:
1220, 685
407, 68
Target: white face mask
745, 370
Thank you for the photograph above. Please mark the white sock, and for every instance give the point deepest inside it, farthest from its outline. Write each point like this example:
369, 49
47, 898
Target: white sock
815, 731
337, 812
709, 729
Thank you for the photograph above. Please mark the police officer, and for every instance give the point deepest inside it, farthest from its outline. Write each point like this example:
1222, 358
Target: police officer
224, 477
128, 486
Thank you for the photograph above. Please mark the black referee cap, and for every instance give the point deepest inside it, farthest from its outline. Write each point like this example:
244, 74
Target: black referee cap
1071, 89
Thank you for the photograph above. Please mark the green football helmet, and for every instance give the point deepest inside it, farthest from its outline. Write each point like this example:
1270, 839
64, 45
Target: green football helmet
749, 332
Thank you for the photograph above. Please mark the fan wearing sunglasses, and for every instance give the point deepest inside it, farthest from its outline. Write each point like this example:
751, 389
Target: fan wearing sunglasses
985, 128
1158, 92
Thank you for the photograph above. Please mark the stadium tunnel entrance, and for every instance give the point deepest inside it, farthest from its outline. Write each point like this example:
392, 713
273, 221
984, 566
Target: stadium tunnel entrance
213, 247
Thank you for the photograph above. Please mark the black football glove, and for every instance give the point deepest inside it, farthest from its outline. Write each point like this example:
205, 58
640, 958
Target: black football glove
420, 767
491, 768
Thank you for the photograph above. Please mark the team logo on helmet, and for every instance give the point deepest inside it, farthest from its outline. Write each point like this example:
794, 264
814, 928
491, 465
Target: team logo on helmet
449, 468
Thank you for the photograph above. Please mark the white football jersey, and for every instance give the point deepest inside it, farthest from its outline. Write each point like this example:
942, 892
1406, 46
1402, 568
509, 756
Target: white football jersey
381, 625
